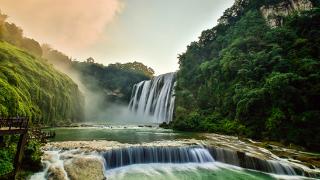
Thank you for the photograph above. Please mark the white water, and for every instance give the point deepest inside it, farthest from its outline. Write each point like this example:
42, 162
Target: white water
199, 164
160, 159
190, 171
154, 98
55, 161
139, 155
163, 162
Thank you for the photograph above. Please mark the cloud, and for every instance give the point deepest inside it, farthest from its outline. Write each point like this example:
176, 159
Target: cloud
66, 24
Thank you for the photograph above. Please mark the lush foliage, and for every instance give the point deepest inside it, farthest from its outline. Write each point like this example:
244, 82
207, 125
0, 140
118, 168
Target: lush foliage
32, 88
7, 153
31, 159
29, 86
13, 34
134, 67
115, 80
32, 156
55, 57
243, 77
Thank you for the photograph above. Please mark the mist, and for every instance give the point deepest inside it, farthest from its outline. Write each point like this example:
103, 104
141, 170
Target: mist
98, 108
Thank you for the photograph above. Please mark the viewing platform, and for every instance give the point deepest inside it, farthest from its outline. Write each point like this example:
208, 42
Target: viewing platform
13, 125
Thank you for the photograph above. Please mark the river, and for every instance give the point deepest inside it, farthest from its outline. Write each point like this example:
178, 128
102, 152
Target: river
132, 152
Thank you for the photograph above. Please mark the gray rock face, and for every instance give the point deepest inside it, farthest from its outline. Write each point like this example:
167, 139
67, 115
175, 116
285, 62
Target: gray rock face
274, 14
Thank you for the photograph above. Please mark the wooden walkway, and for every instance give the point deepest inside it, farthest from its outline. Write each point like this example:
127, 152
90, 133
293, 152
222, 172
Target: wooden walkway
15, 126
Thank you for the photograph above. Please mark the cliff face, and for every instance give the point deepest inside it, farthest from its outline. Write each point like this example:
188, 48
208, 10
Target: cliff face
274, 13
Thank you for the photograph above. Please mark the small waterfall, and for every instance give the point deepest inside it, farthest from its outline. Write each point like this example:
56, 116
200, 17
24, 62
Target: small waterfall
225, 156
241, 159
75, 164
141, 155
194, 154
154, 98
270, 166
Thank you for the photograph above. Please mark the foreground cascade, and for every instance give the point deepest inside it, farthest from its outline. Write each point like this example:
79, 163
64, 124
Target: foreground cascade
154, 98
194, 154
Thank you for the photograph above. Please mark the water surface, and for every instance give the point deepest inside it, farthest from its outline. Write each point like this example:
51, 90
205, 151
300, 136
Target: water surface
190, 171
131, 135
160, 171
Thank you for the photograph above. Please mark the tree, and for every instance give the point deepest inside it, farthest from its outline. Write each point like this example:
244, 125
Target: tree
245, 74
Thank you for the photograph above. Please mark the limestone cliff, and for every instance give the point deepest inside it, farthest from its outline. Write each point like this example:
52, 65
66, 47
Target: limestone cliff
274, 13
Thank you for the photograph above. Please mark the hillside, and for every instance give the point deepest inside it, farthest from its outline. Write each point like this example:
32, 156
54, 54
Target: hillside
115, 81
30, 87
255, 74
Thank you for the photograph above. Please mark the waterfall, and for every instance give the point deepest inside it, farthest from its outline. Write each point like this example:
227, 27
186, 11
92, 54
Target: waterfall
193, 154
154, 98
237, 158
62, 164
141, 155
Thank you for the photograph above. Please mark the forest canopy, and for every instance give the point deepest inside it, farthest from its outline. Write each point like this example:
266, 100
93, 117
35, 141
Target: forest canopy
245, 78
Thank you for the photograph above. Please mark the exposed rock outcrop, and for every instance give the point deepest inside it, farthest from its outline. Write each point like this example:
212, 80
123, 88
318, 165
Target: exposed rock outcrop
56, 173
84, 168
274, 14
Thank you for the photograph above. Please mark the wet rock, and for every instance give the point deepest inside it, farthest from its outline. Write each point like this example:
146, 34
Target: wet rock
84, 168
47, 157
100, 146
56, 173
240, 152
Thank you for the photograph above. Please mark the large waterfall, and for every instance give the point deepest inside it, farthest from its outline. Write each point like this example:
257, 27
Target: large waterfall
154, 98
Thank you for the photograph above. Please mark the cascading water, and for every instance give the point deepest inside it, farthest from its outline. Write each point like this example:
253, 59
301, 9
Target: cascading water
154, 98
193, 154
249, 162
140, 155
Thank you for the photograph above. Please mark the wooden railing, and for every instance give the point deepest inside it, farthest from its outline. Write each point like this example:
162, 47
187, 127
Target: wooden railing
13, 125
14, 122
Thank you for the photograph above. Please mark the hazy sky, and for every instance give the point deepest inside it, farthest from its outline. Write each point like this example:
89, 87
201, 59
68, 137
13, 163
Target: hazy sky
150, 31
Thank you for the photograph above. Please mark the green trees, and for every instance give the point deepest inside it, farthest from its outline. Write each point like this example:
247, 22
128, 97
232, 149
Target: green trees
13, 34
135, 67
115, 80
55, 57
31, 159
243, 77
32, 88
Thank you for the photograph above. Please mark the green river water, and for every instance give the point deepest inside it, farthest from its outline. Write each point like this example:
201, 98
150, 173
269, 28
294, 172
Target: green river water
156, 171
